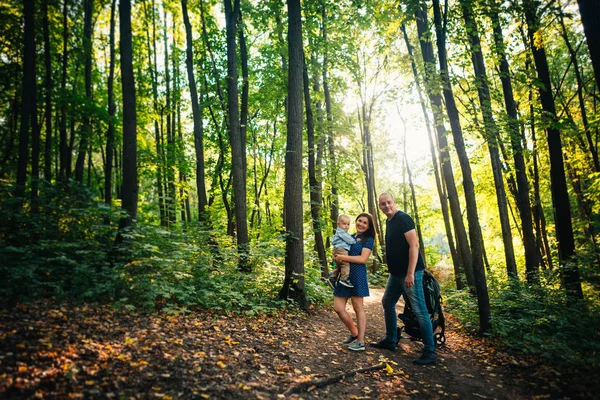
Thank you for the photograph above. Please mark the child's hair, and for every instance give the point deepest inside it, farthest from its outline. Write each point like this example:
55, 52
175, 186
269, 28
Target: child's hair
342, 218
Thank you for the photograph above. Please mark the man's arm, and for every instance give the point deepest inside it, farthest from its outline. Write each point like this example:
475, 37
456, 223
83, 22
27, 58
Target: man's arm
413, 256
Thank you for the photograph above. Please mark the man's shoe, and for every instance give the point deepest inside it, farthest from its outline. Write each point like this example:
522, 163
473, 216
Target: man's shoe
357, 346
383, 344
350, 339
426, 359
331, 283
347, 283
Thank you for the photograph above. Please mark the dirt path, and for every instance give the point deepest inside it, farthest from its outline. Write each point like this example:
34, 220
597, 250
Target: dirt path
459, 373
54, 351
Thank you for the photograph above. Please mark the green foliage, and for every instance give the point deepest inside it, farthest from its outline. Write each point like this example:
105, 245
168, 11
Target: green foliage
62, 251
536, 321
68, 251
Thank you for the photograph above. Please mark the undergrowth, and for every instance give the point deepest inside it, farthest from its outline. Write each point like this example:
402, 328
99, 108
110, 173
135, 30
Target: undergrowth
535, 320
68, 252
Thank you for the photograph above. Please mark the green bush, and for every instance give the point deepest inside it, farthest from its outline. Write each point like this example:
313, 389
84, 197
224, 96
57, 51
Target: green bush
535, 321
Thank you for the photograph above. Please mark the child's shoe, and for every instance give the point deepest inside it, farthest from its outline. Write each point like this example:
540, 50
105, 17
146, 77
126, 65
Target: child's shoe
331, 281
346, 282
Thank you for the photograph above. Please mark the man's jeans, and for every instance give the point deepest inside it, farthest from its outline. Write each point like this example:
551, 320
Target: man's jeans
393, 291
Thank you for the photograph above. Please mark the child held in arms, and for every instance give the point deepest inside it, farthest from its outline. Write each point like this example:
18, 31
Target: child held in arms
341, 241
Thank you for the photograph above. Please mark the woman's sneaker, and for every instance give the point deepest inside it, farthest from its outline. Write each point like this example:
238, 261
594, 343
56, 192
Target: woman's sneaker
357, 346
350, 339
346, 282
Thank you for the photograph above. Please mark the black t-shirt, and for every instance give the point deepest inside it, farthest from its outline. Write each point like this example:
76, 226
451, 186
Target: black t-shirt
397, 245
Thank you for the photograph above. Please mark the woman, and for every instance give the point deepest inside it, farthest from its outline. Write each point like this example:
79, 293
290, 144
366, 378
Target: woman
357, 257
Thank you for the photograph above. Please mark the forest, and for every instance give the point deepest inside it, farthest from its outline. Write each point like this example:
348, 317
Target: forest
167, 159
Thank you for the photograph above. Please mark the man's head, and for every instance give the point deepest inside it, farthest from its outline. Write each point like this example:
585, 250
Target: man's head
387, 205
343, 222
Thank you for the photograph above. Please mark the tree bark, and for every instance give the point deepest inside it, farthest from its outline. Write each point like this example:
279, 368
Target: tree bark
475, 235
63, 146
110, 135
129, 190
522, 187
293, 286
560, 195
590, 15
464, 252
491, 133
86, 128
28, 114
235, 136
332, 165
49, 93
457, 262
314, 185
196, 115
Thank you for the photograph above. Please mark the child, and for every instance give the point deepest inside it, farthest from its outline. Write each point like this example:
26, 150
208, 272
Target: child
341, 241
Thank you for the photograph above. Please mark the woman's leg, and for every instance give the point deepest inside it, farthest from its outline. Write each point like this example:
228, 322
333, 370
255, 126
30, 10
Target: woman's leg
339, 306
361, 319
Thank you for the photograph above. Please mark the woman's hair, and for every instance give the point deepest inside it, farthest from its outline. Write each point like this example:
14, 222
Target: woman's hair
370, 232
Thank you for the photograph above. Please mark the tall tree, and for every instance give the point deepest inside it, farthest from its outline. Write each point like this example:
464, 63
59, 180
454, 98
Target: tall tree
28, 107
129, 191
457, 262
235, 136
65, 167
110, 136
86, 128
590, 15
293, 286
314, 185
491, 132
48, 95
435, 99
560, 195
531, 256
196, 115
332, 162
475, 235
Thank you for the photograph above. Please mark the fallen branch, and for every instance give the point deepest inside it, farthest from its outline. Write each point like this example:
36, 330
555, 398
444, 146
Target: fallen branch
332, 379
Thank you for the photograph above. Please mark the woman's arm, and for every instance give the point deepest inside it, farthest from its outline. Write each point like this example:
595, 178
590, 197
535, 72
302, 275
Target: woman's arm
362, 259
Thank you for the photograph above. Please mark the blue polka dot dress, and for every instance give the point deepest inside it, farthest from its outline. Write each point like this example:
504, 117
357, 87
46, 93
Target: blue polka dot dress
358, 273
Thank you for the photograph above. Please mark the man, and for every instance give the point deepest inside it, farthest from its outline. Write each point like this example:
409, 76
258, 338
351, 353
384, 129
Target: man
405, 266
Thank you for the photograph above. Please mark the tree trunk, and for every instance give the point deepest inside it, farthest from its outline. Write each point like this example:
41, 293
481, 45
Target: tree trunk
28, 118
464, 252
171, 148
235, 137
457, 262
48, 100
197, 115
293, 286
314, 185
590, 15
560, 195
522, 192
332, 167
86, 127
491, 133
475, 235
152, 68
129, 191
63, 146
110, 136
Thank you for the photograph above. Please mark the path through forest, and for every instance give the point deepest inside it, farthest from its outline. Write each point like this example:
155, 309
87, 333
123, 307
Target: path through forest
59, 351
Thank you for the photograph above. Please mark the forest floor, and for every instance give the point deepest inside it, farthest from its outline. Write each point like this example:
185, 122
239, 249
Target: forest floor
59, 351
